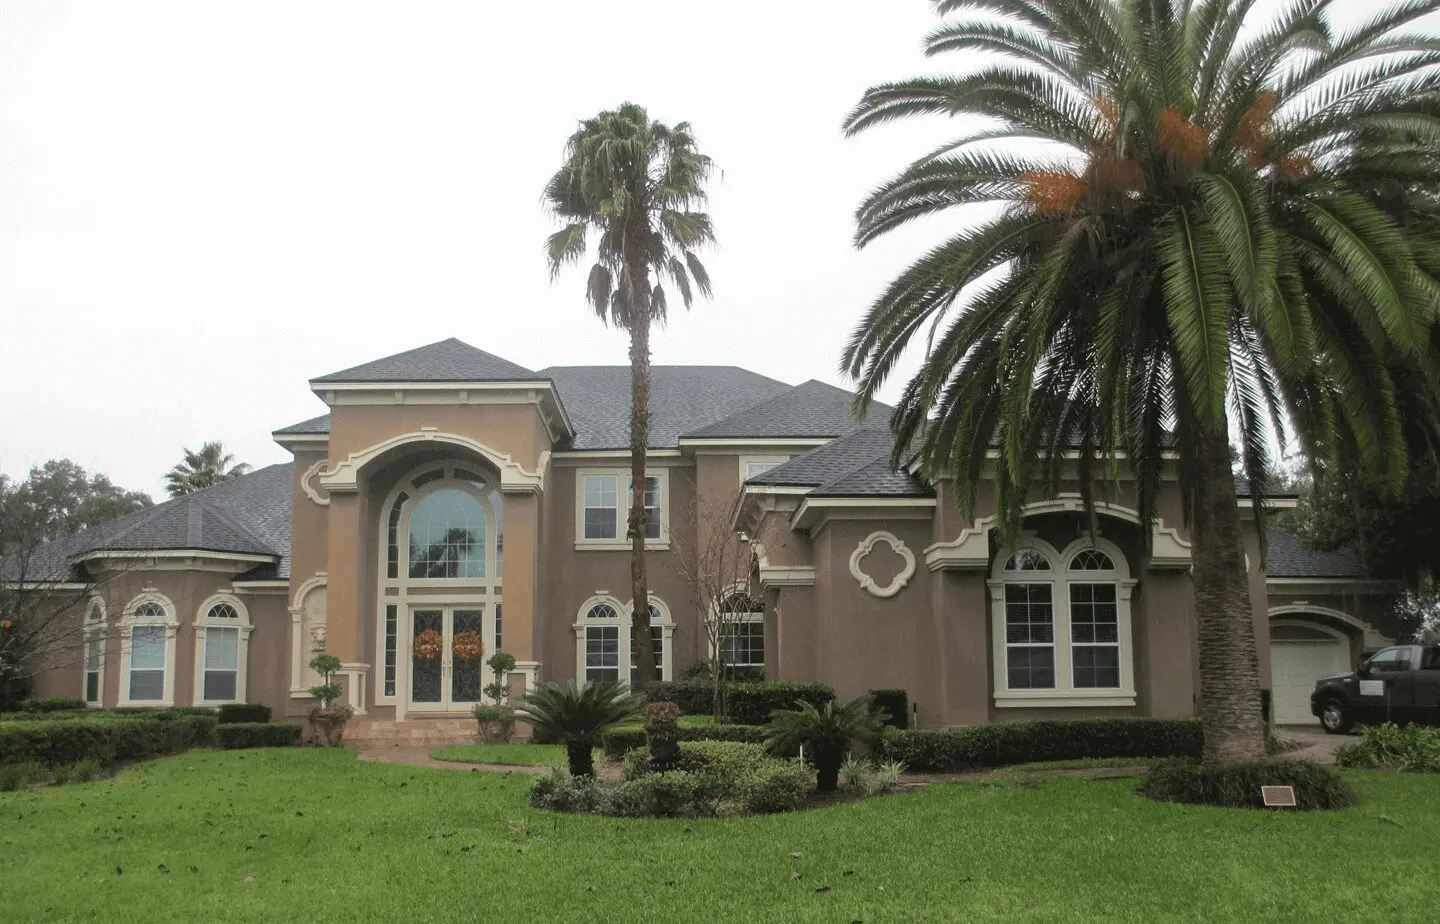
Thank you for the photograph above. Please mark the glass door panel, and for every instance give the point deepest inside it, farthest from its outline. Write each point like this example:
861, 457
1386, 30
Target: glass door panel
427, 653
467, 656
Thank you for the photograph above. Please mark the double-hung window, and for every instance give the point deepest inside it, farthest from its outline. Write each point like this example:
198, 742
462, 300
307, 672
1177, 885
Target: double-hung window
606, 641
604, 510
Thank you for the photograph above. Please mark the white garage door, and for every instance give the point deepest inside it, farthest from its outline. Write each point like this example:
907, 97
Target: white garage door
1294, 668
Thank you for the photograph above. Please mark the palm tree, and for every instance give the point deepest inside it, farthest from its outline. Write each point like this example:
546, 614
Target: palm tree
1190, 216
577, 716
636, 184
827, 731
209, 466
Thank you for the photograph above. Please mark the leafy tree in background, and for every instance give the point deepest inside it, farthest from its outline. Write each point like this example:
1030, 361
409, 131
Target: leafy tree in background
635, 184
1191, 214
202, 469
59, 498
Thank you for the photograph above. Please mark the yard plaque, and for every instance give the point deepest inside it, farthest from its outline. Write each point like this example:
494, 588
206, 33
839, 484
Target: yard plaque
1278, 796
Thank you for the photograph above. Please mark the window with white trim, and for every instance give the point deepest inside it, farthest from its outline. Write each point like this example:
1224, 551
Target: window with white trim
603, 510
148, 671
754, 466
657, 645
222, 639
1061, 624
95, 653
741, 631
605, 640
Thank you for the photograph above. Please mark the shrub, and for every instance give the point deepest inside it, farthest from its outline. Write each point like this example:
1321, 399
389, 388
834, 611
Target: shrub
825, 733
256, 735
666, 794
854, 772
896, 705
662, 733
17, 776
560, 793
249, 713
1413, 748
54, 704
694, 697
578, 716
752, 703
82, 772
622, 739
775, 786
1003, 743
695, 670
728, 760
1238, 785
884, 778
104, 739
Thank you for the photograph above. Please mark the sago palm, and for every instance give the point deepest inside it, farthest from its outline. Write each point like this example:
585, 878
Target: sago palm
1189, 220
634, 186
201, 469
576, 716
826, 733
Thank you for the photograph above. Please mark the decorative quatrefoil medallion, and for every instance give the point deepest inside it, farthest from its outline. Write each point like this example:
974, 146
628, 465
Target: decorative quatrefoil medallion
897, 546
310, 484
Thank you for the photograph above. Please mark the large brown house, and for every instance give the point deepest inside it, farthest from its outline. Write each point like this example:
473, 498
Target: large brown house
449, 493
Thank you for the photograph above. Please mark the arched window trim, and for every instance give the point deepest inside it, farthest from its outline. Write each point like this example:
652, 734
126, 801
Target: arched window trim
1060, 578
128, 622
94, 635
446, 482
625, 611
721, 621
243, 627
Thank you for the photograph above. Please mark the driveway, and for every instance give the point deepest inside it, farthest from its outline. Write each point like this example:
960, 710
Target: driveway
1314, 744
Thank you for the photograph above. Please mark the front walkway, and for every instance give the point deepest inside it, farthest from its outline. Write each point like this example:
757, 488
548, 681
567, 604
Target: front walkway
410, 756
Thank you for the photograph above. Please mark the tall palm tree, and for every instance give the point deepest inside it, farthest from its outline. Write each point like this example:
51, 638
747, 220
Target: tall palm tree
210, 465
1195, 222
636, 184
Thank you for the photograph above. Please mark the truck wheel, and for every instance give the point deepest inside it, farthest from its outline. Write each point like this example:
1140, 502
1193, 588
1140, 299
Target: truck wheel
1334, 719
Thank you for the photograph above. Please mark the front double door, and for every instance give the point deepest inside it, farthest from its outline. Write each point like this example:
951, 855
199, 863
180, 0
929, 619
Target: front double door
447, 657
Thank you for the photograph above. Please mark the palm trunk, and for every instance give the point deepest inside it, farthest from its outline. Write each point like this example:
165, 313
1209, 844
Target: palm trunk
644, 647
1229, 665
581, 757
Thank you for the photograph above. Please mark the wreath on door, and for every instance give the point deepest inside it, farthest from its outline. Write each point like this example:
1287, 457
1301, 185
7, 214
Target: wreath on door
429, 645
467, 646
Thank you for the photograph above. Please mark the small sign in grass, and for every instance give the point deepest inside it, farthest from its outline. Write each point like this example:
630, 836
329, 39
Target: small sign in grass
1278, 796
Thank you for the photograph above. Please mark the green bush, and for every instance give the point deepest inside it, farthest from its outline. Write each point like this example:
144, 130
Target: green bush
622, 739
104, 739
694, 697
256, 735
668, 794
54, 704
752, 703
1001, 744
895, 703
82, 772
17, 776
557, 792
775, 786
728, 760
248, 713
1238, 785
1413, 748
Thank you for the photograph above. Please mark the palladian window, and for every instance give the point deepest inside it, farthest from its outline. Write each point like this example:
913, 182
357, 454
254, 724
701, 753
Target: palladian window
605, 639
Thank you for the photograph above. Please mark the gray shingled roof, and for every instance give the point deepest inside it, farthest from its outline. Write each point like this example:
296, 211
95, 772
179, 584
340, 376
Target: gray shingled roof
319, 424
445, 361
855, 465
248, 515
1288, 556
597, 399
810, 409
1242, 489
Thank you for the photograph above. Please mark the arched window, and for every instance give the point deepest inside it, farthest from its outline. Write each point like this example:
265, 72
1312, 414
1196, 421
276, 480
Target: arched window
147, 651
222, 641
448, 536
605, 639
740, 631
1061, 625
95, 652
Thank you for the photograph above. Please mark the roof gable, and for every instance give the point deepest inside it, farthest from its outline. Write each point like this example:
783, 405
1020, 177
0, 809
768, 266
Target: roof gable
1288, 556
812, 409
449, 360
855, 465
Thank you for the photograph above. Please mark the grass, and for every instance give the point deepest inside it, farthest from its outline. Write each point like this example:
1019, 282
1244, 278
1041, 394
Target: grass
508, 755
258, 835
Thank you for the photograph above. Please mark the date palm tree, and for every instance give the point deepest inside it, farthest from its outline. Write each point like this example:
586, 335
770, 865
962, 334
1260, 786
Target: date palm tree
210, 465
635, 185
1196, 222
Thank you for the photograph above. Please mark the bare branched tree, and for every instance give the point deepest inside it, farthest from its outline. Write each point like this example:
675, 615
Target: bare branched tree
715, 564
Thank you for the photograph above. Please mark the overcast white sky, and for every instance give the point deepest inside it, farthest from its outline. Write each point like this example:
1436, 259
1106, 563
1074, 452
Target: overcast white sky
205, 204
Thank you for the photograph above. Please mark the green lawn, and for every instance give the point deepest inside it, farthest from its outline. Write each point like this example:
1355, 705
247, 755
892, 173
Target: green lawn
509, 755
284, 834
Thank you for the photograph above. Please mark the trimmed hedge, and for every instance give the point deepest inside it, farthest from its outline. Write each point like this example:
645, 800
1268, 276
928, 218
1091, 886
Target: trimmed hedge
752, 703
975, 747
694, 697
1238, 785
622, 739
104, 739
896, 704
234, 735
54, 704
244, 713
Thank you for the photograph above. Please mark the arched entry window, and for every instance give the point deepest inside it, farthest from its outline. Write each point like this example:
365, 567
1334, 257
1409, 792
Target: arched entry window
1060, 622
442, 548
605, 639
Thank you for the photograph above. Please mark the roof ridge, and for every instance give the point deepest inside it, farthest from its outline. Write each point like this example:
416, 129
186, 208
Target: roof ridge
209, 506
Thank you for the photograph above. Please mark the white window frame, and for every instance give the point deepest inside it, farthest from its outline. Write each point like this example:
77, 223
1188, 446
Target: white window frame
94, 634
750, 617
623, 622
128, 622
622, 513
1064, 693
243, 628
746, 461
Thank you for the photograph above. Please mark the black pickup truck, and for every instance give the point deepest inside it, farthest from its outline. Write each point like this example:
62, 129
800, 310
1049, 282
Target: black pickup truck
1399, 684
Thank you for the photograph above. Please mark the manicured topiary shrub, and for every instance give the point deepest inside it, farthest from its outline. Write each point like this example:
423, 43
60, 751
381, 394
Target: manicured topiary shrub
622, 739
694, 697
975, 747
1238, 785
896, 705
1413, 748
54, 704
249, 713
256, 735
752, 703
